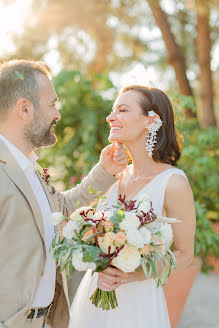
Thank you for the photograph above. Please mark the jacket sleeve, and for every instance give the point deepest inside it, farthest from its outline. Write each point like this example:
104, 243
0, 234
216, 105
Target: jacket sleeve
98, 179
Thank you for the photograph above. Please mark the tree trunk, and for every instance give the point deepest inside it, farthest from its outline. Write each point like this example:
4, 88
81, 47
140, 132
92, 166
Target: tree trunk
207, 117
175, 55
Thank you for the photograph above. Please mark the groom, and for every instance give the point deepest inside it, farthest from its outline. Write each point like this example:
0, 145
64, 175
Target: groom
31, 291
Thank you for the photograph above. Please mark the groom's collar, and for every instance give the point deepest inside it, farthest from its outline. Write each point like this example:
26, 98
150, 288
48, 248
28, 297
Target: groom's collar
24, 162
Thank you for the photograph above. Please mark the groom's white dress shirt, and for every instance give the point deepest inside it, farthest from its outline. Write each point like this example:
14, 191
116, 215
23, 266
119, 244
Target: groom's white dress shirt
46, 288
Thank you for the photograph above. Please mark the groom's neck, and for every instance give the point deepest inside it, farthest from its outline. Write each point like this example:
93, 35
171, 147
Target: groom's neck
17, 140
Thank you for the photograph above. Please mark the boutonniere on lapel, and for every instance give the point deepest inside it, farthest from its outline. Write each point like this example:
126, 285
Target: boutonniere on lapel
43, 173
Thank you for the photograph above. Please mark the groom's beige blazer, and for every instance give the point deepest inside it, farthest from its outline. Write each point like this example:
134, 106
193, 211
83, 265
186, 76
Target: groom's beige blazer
22, 251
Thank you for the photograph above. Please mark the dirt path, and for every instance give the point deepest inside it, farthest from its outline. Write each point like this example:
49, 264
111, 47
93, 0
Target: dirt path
202, 307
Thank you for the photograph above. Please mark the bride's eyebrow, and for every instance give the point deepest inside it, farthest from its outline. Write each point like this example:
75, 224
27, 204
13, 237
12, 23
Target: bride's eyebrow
121, 106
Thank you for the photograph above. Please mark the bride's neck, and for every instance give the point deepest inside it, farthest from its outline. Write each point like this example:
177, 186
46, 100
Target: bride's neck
143, 165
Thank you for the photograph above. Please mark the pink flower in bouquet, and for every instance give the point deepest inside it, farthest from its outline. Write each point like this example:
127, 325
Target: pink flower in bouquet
108, 226
120, 239
160, 243
146, 250
89, 233
107, 243
157, 240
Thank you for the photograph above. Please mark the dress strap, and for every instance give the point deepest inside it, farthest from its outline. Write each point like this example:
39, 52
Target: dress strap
165, 179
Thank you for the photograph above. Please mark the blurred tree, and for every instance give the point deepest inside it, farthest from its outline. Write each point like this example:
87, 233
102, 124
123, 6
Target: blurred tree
207, 116
110, 35
175, 55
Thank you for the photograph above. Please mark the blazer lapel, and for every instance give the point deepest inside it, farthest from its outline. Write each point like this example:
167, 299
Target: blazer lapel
16, 174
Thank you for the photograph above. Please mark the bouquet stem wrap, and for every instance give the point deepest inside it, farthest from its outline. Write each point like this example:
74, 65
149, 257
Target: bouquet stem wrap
105, 300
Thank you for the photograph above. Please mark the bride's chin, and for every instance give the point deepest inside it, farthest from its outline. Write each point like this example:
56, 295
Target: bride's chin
112, 139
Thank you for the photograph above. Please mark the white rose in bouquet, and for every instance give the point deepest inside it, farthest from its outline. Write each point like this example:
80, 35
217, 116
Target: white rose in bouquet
135, 238
76, 216
143, 198
90, 214
144, 207
107, 241
57, 217
129, 222
146, 235
98, 215
166, 233
153, 227
79, 264
128, 259
70, 229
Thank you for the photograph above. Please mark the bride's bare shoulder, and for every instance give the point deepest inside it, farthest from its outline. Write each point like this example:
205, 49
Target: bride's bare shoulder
178, 184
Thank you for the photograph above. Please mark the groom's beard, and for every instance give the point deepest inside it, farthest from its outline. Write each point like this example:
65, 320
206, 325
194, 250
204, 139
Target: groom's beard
38, 135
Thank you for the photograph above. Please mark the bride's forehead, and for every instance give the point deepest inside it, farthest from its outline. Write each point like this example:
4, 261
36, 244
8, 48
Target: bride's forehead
129, 97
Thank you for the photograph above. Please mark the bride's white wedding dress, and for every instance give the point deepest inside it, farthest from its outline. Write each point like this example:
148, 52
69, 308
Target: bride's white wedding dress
140, 304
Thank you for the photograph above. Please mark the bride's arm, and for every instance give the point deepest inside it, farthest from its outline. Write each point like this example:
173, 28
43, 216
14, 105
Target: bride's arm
179, 203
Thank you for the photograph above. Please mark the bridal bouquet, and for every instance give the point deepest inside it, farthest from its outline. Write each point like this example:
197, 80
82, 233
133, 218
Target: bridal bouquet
129, 238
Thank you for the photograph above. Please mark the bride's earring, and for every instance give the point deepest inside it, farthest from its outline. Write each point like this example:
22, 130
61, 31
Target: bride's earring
152, 135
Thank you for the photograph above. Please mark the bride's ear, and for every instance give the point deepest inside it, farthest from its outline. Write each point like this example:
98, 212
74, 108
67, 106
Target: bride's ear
148, 121
151, 120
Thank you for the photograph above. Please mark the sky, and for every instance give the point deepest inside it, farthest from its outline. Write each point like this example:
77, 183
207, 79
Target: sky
11, 20
12, 17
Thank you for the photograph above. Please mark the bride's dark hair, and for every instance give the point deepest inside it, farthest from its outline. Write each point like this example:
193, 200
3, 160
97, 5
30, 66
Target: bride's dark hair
169, 142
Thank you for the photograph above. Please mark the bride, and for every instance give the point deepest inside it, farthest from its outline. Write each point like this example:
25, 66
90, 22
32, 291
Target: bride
142, 119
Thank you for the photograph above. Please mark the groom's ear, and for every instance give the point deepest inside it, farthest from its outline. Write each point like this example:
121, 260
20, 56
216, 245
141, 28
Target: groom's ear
24, 110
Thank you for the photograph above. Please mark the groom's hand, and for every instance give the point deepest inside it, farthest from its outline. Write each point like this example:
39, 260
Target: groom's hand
113, 158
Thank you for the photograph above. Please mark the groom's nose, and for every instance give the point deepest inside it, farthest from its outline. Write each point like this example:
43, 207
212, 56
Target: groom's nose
58, 116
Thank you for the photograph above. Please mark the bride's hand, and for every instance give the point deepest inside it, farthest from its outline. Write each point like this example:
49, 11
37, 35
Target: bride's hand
112, 278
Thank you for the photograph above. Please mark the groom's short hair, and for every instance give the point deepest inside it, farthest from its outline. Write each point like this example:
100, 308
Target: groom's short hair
18, 79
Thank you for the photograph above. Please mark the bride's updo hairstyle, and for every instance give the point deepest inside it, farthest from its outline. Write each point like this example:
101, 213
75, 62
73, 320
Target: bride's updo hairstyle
169, 143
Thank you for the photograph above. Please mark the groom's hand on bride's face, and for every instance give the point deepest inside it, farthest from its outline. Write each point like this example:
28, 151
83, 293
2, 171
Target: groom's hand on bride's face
113, 158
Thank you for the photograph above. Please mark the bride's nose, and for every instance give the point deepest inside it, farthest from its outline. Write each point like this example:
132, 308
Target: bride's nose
110, 118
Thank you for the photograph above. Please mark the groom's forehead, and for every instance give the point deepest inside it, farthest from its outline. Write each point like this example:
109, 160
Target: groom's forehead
45, 86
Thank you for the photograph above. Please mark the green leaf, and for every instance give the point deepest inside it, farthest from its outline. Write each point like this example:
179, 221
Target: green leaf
117, 218
91, 254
